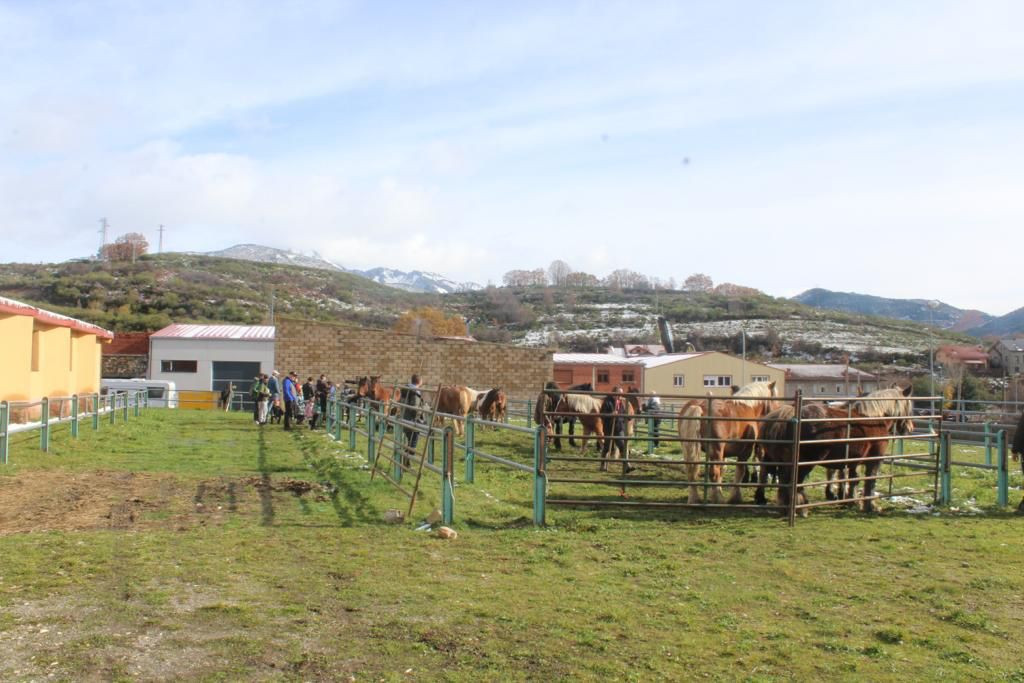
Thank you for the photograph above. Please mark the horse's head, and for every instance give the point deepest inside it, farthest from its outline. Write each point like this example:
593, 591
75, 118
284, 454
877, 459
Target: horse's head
362, 386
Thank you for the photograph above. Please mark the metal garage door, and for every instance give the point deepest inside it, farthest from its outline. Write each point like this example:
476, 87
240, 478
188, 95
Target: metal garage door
239, 373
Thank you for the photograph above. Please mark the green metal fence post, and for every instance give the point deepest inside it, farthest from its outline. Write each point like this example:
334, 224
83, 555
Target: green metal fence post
95, 412
988, 443
1003, 478
430, 449
124, 405
470, 447
138, 400
448, 477
529, 413
399, 456
352, 426
74, 416
5, 421
112, 405
945, 485
44, 429
650, 433
371, 438
540, 477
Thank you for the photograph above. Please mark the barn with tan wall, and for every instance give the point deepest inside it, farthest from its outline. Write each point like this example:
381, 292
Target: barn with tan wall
344, 351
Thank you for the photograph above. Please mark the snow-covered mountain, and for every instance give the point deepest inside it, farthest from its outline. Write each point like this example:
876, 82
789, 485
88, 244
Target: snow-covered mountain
416, 280
412, 281
261, 254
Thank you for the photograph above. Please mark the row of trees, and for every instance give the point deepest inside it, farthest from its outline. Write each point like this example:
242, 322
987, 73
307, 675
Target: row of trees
561, 274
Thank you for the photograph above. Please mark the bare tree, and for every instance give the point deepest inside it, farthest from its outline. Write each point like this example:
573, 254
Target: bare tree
558, 271
698, 282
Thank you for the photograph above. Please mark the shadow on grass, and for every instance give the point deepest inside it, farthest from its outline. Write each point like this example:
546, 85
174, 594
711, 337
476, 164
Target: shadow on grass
266, 492
349, 503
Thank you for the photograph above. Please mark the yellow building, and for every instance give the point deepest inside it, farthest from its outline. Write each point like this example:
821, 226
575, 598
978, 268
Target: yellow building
47, 354
698, 374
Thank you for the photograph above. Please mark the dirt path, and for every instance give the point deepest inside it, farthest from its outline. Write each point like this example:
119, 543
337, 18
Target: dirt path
113, 499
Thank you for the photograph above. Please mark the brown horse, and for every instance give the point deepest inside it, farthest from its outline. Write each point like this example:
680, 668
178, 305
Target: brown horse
892, 402
734, 427
819, 422
455, 402
587, 409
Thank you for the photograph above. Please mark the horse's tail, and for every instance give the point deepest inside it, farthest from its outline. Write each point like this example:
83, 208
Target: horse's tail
690, 428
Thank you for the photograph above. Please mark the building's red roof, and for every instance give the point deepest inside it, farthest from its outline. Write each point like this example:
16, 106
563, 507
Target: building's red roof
129, 343
13, 307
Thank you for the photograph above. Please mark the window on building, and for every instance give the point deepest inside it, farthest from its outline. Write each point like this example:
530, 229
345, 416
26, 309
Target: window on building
821, 389
627, 376
718, 380
679, 380
760, 378
179, 366
839, 388
602, 377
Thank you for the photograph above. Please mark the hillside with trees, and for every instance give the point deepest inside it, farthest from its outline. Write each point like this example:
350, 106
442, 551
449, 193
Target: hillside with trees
550, 307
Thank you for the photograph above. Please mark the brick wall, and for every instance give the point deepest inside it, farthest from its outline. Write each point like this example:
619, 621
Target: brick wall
343, 351
124, 366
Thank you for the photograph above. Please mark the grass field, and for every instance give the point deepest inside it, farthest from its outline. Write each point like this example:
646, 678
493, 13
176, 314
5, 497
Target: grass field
195, 546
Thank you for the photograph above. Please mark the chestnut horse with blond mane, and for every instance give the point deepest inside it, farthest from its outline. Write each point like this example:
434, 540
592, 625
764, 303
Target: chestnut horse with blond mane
734, 426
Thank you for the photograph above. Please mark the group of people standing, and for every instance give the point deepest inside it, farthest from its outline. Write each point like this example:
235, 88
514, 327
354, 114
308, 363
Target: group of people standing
276, 399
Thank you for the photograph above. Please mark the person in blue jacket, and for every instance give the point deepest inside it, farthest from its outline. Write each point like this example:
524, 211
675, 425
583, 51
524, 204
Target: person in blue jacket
290, 391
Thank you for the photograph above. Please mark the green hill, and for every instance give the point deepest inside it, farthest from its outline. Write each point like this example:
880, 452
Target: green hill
160, 289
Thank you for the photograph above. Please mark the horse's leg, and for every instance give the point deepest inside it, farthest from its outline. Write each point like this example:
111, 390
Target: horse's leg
829, 476
572, 431
557, 427
740, 475
690, 452
717, 457
871, 468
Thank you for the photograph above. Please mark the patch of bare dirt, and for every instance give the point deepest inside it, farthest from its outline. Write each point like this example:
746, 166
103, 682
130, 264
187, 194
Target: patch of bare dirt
102, 499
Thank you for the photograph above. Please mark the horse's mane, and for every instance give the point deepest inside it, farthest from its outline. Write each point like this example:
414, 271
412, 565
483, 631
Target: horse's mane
750, 394
890, 402
582, 403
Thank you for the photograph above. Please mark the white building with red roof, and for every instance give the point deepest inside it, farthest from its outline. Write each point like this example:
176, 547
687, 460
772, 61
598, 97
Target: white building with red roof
209, 357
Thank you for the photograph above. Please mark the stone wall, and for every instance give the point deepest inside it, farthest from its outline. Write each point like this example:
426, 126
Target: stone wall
343, 351
124, 366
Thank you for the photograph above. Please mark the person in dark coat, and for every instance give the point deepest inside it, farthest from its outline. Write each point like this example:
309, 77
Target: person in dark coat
411, 400
322, 390
1017, 448
613, 410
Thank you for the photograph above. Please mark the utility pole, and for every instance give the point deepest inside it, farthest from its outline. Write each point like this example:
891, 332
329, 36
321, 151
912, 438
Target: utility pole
743, 335
103, 236
271, 304
160, 248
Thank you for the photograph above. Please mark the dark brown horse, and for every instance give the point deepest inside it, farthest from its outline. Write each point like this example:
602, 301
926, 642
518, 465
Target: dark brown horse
819, 422
493, 405
547, 401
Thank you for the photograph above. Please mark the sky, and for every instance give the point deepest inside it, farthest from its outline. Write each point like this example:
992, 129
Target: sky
855, 146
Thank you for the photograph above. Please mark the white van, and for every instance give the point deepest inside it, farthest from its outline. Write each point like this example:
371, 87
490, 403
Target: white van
162, 393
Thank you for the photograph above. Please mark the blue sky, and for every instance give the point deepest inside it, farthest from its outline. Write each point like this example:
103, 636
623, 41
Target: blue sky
871, 147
